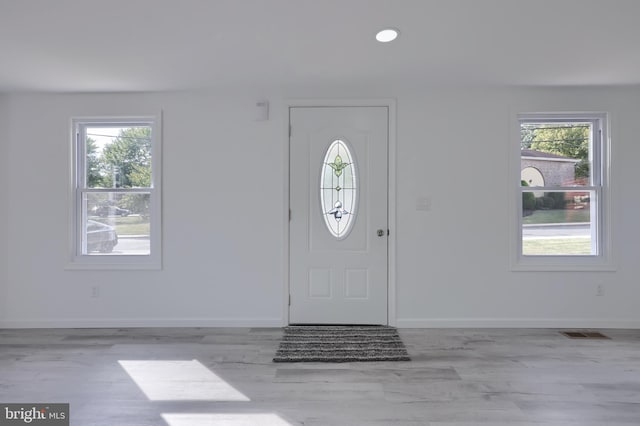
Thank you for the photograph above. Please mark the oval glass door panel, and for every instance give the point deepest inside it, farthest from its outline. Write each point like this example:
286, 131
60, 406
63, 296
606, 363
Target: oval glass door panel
338, 189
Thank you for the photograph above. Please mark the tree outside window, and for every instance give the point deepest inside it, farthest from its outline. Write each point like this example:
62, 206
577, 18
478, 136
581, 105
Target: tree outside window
117, 197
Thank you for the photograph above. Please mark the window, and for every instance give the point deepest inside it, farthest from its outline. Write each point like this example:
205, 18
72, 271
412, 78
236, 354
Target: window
338, 190
562, 186
116, 212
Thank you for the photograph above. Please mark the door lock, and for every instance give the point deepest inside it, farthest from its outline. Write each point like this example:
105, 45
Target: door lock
380, 232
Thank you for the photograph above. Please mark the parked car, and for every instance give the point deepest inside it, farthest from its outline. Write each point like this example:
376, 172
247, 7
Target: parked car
101, 237
105, 211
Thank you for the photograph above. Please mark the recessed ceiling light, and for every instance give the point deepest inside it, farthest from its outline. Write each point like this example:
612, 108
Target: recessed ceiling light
387, 35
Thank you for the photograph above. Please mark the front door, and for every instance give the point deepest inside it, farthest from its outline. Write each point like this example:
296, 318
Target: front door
339, 215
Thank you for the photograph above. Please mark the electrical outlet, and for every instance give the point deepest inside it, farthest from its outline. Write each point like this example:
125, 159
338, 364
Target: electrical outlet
95, 292
600, 290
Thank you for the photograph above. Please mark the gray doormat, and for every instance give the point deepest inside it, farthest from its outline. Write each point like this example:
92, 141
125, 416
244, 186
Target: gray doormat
341, 344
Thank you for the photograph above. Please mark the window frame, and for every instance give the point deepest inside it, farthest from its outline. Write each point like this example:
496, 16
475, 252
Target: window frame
599, 184
78, 260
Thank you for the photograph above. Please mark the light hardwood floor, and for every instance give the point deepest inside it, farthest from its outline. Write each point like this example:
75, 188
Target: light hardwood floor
215, 376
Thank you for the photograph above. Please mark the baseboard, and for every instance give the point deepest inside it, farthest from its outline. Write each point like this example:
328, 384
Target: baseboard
279, 322
144, 323
517, 323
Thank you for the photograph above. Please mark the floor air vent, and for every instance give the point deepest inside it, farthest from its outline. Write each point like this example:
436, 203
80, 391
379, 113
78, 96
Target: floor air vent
584, 335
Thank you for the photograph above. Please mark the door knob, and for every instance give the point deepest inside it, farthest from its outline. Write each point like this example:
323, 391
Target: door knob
380, 232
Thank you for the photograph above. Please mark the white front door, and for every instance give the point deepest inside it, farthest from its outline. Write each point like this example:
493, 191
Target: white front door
339, 215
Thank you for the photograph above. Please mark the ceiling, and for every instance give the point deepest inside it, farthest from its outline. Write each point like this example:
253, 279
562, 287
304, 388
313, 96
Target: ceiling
157, 45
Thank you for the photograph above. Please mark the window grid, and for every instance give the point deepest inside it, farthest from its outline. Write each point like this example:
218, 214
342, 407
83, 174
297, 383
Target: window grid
116, 217
591, 193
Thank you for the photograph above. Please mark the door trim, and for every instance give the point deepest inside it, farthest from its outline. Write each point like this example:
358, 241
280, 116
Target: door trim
390, 103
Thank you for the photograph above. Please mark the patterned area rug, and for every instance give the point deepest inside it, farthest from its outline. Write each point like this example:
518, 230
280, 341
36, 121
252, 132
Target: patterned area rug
341, 344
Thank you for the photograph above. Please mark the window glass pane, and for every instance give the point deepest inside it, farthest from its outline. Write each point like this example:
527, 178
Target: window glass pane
338, 190
558, 223
556, 154
116, 223
118, 157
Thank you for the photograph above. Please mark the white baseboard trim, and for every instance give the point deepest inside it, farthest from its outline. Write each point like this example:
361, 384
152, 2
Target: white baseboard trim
573, 323
517, 323
144, 323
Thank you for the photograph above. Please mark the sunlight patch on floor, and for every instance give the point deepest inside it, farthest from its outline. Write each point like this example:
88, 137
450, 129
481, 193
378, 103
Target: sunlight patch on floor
224, 420
180, 381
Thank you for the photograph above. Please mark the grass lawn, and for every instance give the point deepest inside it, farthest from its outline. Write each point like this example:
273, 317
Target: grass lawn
556, 246
133, 225
557, 216
128, 225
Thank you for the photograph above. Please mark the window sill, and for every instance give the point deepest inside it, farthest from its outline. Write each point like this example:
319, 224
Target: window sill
555, 264
113, 266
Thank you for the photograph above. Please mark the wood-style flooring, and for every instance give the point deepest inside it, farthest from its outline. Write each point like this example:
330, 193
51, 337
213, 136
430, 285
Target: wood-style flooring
225, 376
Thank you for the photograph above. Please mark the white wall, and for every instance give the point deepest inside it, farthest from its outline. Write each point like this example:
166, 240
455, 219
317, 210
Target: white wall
4, 201
453, 262
222, 227
223, 214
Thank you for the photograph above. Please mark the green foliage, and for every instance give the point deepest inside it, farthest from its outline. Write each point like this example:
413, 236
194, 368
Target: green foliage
129, 158
528, 200
527, 134
140, 176
559, 201
545, 203
582, 169
95, 178
566, 139
123, 163
137, 203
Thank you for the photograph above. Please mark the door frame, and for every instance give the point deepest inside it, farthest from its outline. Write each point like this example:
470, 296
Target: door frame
390, 103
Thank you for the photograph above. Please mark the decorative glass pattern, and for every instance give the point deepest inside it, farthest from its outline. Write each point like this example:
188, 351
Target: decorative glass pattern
338, 189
